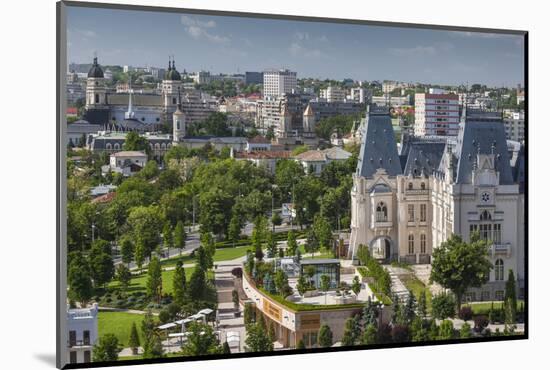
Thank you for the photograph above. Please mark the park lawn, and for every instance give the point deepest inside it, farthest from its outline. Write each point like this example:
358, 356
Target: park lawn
138, 282
322, 253
484, 307
413, 284
222, 254
119, 324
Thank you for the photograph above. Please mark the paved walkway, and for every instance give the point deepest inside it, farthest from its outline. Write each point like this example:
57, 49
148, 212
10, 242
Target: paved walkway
227, 322
397, 287
422, 272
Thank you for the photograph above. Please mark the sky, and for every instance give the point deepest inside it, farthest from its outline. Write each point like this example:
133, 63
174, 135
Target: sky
225, 44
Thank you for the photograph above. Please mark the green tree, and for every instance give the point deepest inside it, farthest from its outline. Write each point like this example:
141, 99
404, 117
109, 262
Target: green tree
446, 330
325, 285
134, 342
79, 280
352, 331
465, 330
139, 253
150, 170
271, 245
106, 349
443, 306
234, 230
215, 211
201, 340
312, 243
301, 285
225, 348
179, 236
127, 250
135, 142
510, 299
123, 276
422, 307
167, 236
301, 344
152, 347
146, 223
356, 285
292, 245
197, 285
458, 265
179, 284
281, 282
370, 335
323, 232
325, 336
101, 263
154, 280
257, 339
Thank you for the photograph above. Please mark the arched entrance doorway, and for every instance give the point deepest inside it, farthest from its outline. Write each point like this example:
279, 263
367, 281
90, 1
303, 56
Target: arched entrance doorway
381, 248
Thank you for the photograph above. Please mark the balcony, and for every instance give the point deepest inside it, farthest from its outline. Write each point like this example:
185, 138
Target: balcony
78, 343
417, 191
501, 249
381, 223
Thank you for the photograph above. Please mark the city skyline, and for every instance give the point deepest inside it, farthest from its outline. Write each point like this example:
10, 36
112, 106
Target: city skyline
226, 44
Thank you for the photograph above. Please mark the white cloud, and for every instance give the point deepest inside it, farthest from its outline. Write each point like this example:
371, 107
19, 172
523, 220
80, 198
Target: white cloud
191, 21
199, 29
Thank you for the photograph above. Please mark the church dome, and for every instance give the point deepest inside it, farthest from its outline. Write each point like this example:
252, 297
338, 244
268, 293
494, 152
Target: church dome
172, 73
96, 70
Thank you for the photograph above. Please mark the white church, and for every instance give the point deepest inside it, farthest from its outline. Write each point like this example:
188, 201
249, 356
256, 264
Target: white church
406, 202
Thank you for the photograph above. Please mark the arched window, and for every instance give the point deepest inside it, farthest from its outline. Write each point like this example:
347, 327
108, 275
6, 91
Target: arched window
411, 244
485, 216
173, 100
163, 146
499, 270
381, 212
108, 146
423, 243
157, 146
410, 185
423, 186
117, 146
97, 98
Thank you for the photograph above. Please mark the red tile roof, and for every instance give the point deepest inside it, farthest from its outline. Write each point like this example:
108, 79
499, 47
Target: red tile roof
105, 198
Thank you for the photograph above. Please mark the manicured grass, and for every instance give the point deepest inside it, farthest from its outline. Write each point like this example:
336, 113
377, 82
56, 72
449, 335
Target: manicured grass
119, 324
484, 307
308, 307
138, 282
323, 253
222, 254
416, 286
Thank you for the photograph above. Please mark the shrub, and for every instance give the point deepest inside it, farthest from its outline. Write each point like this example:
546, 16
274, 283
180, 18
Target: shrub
480, 323
465, 313
400, 333
164, 316
443, 306
237, 272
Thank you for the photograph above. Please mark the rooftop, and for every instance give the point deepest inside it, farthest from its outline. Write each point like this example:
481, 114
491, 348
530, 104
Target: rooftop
129, 153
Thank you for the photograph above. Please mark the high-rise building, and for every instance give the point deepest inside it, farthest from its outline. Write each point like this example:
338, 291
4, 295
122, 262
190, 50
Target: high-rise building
436, 114
278, 82
333, 94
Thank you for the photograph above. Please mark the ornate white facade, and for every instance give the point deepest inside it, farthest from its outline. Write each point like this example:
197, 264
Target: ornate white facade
405, 204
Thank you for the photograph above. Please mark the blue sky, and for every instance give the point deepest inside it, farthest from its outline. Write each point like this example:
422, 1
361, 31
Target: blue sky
313, 49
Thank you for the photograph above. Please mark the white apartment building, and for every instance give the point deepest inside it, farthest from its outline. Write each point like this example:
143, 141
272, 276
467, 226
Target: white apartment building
278, 82
436, 114
82, 333
333, 94
360, 95
514, 127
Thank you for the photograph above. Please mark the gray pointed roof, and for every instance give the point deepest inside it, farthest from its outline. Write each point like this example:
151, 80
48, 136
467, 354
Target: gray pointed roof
483, 135
378, 147
424, 157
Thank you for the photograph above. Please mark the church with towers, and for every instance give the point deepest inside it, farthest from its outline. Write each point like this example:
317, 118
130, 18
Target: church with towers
407, 199
145, 111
